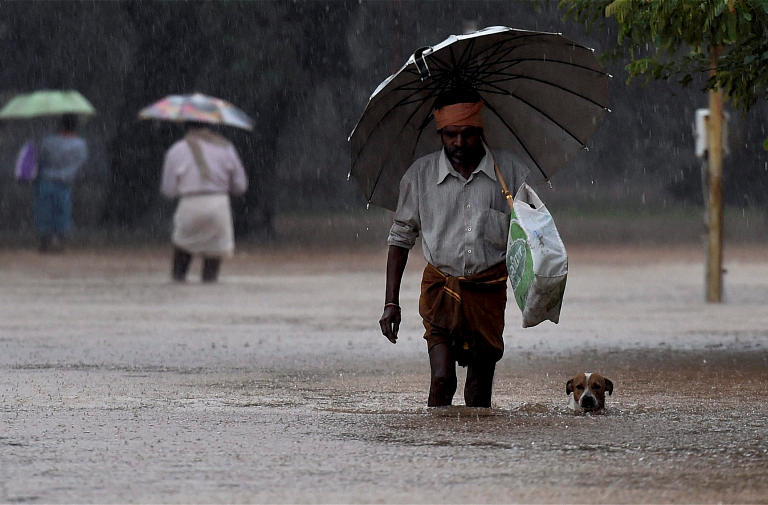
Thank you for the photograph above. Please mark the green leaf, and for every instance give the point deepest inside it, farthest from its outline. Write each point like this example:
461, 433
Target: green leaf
719, 7
671, 39
765, 144
619, 9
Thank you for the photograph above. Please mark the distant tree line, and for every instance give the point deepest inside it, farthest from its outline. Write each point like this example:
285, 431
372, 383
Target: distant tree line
304, 71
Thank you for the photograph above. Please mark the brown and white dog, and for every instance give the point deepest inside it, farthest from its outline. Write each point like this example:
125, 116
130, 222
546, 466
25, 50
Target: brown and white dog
587, 392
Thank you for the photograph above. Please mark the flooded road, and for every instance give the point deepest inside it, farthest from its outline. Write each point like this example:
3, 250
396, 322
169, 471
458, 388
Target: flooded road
276, 386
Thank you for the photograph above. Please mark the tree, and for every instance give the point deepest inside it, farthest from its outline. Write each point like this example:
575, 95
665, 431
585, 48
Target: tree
723, 43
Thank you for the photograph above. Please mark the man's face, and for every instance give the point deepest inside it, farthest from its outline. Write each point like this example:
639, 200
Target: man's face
463, 144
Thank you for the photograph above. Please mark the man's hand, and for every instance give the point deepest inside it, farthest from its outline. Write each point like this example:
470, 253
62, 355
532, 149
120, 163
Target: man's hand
390, 322
390, 319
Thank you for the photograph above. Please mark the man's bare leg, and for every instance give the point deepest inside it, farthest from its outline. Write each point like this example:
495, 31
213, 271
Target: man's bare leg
443, 368
210, 272
180, 266
479, 385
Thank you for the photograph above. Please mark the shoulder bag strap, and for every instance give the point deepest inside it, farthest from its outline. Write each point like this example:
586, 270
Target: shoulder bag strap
197, 153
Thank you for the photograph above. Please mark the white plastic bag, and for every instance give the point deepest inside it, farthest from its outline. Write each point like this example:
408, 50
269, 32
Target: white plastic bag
536, 259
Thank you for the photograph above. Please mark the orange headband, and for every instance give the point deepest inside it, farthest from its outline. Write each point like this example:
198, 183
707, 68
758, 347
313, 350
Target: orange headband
460, 114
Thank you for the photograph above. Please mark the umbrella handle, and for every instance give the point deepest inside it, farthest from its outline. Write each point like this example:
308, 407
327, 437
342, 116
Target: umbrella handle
507, 195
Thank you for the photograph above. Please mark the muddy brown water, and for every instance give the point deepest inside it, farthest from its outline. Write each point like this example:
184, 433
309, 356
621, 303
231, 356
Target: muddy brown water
275, 385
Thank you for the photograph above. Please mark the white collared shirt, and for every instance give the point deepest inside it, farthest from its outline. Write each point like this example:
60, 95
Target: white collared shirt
182, 175
463, 223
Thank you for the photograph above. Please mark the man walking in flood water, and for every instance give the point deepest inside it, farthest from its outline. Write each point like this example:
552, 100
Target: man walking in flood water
454, 200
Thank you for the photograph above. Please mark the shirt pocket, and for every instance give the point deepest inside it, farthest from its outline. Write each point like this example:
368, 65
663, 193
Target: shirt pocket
495, 226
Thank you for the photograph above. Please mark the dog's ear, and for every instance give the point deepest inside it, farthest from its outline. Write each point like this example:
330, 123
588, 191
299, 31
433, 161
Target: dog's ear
569, 387
609, 386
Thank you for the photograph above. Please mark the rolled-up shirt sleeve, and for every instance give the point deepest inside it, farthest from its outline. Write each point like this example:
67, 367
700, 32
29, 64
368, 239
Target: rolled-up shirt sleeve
407, 223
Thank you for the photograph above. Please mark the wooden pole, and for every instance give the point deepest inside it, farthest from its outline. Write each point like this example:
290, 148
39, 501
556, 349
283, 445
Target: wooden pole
714, 277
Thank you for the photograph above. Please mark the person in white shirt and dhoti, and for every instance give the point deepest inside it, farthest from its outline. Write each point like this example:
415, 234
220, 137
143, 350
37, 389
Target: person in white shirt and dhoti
452, 199
202, 170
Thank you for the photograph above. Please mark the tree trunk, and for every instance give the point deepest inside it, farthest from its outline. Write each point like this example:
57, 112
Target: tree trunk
715, 202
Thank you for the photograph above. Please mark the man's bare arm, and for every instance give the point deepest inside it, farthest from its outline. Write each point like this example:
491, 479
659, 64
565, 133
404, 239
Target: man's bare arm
390, 319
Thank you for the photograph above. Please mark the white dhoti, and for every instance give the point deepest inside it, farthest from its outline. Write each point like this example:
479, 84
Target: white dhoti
202, 224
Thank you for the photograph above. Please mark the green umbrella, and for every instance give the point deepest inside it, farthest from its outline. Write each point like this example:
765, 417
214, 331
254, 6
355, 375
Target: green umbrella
47, 103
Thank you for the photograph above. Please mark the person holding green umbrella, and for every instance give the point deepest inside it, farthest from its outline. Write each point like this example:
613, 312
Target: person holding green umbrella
47, 102
60, 157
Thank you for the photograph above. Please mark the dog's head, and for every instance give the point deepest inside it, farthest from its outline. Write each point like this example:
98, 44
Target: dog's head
588, 390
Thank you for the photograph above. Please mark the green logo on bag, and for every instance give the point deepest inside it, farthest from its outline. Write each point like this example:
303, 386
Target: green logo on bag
519, 262
516, 261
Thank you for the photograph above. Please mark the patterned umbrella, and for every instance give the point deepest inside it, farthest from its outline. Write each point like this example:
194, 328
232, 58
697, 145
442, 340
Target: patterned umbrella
47, 102
197, 107
544, 95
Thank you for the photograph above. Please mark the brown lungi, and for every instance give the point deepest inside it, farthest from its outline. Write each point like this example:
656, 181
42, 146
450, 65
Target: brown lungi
467, 313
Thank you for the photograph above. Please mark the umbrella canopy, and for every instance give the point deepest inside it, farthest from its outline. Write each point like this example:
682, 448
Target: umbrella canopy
47, 103
197, 107
544, 96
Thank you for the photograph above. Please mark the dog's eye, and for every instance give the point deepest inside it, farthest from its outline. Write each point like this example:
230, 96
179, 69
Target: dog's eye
596, 386
580, 387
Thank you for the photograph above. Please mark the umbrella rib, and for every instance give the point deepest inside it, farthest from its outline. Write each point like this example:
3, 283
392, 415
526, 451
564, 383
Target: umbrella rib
415, 87
466, 55
541, 81
494, 49
416, 79
432, 92
407, 99
512, 131
482, 69
379, 123
529, 104
496, 53
421, 128
511, 63
432, 88
482, 75
450, 70
417, 83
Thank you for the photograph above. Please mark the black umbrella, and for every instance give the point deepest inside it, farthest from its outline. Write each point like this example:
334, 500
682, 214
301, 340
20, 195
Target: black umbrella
544, 96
